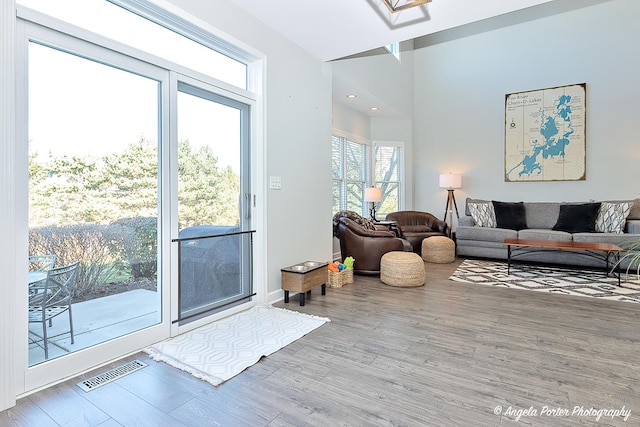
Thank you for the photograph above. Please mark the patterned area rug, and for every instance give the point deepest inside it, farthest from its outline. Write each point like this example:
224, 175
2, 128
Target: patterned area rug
557, 280
220, 350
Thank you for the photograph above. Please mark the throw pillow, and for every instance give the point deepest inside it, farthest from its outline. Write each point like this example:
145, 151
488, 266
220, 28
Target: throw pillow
510, 215
612, 217
357, 218
580, 218
482, 214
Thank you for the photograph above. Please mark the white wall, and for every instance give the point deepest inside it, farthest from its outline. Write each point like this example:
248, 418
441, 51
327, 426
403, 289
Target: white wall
298, 140
350, 122
460, 87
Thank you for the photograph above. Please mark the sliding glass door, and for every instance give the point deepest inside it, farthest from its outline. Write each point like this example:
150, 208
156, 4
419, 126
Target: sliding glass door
137, 178
93, 199
213, 201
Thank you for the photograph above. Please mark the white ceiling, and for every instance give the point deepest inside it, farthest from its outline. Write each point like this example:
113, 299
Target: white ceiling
332, 29
335, 29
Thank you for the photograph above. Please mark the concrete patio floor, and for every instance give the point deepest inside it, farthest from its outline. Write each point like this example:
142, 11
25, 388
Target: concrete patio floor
96, 321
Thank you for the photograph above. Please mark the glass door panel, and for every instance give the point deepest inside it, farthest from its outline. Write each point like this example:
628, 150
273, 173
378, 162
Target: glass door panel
93, 199
213, 199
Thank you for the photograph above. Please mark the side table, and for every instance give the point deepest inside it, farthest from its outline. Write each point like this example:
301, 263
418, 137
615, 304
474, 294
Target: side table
391, 225
302, 277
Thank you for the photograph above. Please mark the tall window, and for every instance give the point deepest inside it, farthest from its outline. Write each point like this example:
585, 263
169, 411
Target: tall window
358, 165
388, 174
351, 171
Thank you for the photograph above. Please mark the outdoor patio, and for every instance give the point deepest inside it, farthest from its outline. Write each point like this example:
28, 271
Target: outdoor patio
96, 321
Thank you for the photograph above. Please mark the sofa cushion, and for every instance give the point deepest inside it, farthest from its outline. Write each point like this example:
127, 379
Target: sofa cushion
635, 207
632, 227
415, 228
614, 238
635, 210
510, 215
485, 234
577, 218
541, 214
544, 234
467, 212
612, 217
482, 213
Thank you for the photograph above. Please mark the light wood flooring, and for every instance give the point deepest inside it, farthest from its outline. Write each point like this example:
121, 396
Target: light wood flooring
445, 354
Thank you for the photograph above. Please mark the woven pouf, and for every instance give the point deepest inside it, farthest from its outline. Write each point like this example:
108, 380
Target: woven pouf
402, 269
438, 249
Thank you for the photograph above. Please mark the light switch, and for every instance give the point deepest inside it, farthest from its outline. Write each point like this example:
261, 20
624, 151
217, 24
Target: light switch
275, 183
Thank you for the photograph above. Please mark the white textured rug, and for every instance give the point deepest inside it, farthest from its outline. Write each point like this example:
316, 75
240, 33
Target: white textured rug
220, 350
557, 280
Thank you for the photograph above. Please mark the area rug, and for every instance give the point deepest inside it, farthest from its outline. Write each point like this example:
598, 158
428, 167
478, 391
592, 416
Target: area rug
220, 350
556, 280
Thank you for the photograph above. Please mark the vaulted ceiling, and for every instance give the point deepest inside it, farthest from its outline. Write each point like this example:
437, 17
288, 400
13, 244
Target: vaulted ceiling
336, 29
331, 29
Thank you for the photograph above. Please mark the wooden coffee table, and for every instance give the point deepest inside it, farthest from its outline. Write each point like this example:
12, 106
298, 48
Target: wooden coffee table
607, 252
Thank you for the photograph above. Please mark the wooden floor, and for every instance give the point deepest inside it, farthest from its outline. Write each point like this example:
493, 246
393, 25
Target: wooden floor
446, 354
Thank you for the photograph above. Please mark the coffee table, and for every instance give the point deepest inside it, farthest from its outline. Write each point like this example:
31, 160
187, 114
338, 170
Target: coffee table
606, 252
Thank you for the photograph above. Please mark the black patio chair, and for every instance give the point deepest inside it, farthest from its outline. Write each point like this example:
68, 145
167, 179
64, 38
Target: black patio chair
52, 297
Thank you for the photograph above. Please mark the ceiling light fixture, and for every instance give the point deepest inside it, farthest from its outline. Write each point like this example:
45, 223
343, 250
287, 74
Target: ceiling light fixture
352, 96
398, 5
374, 108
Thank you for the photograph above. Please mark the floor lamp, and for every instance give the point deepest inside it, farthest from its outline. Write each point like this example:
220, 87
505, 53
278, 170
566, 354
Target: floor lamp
450, 181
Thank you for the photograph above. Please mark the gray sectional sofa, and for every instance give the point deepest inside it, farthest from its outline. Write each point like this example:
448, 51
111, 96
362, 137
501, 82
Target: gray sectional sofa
538, 222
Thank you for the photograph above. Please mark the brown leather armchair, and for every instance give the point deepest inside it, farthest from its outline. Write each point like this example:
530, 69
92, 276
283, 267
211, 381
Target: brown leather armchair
415, 226
366, 246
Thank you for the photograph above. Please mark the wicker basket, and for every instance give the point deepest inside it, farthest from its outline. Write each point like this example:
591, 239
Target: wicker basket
337, 280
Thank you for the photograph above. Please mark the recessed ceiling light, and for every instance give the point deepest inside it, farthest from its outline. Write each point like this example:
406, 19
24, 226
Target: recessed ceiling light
352, 96
374, 108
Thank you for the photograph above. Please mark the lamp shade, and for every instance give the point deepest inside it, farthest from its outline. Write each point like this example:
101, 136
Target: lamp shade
372, 194
450, 180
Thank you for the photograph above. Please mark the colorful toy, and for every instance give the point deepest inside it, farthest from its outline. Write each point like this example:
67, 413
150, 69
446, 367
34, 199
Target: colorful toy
348, 261
333, 267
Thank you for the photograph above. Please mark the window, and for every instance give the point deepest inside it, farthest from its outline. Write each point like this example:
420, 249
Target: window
394, 49
388, 174
358, 165
169, 37
351, 171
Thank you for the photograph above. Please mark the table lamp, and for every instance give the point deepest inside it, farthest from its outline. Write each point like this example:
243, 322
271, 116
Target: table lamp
450, 181
373, 195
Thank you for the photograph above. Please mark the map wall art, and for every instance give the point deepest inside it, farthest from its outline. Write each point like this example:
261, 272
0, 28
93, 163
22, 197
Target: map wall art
545, 134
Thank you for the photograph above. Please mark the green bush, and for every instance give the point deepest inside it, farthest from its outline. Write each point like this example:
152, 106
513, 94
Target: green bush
139, 238
96, 247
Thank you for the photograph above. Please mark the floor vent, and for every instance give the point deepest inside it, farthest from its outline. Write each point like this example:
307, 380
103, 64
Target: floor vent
111, 375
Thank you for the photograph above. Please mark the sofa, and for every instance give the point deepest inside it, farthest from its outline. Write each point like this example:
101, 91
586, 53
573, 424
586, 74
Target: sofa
415, 226
485, 225
366, 243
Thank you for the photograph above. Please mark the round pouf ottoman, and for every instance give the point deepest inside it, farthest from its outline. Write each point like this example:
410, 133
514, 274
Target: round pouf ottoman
438, 249
402, 269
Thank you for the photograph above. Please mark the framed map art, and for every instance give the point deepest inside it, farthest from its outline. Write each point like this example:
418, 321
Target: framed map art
545, 134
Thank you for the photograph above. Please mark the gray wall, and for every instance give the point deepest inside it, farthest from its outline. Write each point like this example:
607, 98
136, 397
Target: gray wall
460, 86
